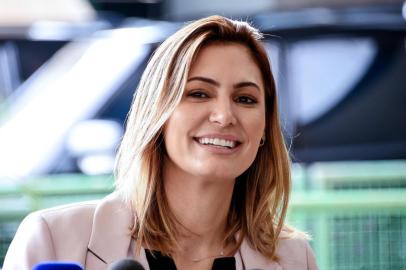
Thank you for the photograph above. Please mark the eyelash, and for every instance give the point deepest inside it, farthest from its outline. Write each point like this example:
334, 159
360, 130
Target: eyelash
197, 94
246, 100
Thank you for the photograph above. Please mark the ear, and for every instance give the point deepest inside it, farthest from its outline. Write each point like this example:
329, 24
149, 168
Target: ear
262, 141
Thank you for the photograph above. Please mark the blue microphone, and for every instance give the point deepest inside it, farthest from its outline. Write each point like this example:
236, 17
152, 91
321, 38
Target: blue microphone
58, 266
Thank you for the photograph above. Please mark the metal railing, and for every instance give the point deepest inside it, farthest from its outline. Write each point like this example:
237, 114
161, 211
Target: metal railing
355, 211
353, 229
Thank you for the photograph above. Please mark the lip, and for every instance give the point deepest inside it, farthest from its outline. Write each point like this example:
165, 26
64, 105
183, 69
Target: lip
228, 137
219, 149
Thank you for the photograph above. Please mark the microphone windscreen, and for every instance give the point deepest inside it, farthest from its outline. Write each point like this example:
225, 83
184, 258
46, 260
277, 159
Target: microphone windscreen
126, 264
57, 266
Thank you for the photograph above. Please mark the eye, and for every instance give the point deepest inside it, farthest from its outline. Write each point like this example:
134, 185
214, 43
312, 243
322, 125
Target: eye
197, 94
246, 100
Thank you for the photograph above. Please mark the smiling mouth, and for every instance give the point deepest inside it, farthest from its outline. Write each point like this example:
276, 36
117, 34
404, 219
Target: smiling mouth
229, 144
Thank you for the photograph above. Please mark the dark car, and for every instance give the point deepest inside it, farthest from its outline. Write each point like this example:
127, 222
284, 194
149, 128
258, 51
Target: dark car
341, 77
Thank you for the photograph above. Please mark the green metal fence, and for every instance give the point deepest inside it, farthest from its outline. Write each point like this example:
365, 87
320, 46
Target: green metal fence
355, 212
354, 229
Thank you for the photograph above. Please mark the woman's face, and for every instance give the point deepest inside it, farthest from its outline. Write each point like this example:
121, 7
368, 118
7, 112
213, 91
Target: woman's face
216, 129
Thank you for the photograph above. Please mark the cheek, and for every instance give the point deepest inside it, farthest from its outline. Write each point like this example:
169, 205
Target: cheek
186, 118
171, 141
255, 125
172, 132
179, 129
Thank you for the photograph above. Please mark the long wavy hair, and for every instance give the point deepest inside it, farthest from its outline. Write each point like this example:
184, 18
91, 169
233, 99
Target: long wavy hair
261, 194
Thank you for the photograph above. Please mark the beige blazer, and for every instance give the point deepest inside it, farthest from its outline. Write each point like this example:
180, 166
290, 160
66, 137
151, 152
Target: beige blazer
97, 233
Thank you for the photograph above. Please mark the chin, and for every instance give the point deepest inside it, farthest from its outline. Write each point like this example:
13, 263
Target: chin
222, 173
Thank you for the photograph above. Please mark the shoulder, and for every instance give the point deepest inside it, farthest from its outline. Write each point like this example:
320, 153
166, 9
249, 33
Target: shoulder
56, 219
73, 219
294, 251
51, 234
67, 214
76, 217
58, 225
66, 232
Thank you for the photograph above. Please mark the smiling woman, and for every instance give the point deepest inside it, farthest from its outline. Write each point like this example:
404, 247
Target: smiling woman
214, 132
203, 174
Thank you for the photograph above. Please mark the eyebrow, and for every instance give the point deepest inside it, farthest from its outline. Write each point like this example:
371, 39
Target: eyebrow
204, 79
246, 84
216, 83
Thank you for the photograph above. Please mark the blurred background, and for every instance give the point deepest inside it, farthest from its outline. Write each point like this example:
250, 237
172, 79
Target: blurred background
68, 70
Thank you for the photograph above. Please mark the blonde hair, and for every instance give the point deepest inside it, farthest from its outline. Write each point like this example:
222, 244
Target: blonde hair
261, 194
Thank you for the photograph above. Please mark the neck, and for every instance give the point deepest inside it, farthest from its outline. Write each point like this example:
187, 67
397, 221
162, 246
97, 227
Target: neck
201, 206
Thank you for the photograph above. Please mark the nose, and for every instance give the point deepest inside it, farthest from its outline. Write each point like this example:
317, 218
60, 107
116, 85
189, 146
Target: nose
222, 113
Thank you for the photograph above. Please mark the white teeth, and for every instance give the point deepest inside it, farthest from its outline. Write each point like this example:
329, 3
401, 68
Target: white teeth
217, 142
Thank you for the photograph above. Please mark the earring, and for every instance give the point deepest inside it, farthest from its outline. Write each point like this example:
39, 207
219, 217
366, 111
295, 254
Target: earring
262, 141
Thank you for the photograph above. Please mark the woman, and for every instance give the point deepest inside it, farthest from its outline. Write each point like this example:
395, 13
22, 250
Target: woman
202, 173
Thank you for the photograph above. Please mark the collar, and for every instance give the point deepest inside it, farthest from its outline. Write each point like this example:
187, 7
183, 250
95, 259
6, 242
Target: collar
252, 259
111, 230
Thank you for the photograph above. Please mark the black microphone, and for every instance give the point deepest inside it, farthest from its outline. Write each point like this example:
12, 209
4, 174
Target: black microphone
126, 264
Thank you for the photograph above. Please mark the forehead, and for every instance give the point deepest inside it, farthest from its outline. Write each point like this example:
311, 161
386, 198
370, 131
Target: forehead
226, 59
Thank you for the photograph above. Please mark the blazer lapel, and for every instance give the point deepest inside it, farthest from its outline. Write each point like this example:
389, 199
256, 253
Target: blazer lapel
253, 259
111, 236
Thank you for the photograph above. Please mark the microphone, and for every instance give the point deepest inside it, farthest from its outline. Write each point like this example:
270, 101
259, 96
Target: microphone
126, 264
57, 266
